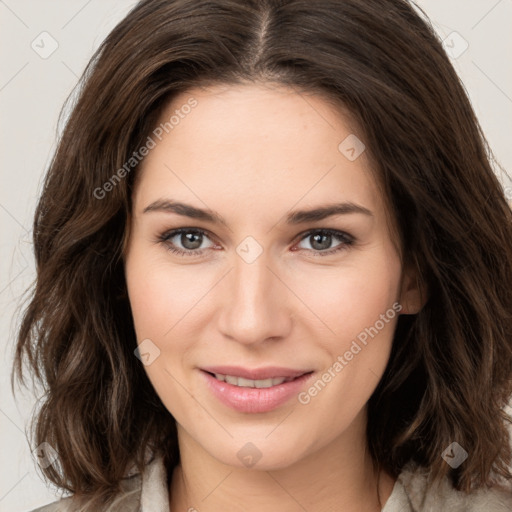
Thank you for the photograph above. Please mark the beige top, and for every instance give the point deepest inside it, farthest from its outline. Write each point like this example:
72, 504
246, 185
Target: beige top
149, 493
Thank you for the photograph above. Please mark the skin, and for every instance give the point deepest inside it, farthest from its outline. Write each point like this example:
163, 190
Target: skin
253, 153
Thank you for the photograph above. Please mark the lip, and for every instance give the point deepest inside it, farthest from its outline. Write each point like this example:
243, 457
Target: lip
255, 400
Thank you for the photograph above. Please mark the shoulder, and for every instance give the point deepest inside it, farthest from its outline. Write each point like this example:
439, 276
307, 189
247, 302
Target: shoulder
63, 505
445, 497
128, 500
146, 491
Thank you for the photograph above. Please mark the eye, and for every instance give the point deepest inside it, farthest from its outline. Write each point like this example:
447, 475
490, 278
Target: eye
321, 240
189, 239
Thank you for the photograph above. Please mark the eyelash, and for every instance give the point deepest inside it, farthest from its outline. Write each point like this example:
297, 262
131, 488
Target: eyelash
346, 241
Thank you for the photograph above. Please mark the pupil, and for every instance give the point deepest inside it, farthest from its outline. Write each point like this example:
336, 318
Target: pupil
191, 240
317, 244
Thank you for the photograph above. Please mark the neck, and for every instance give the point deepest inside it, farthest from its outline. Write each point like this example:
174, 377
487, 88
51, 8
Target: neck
339, 476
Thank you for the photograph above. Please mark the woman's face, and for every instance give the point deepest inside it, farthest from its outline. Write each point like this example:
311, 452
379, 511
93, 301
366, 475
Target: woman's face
257, 290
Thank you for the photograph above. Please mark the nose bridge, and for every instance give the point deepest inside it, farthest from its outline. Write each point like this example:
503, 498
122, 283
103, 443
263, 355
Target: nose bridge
255, 307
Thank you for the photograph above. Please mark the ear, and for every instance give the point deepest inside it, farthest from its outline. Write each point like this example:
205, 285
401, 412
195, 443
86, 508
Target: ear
413, 293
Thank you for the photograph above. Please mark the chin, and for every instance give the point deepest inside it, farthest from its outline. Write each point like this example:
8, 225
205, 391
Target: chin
258, 454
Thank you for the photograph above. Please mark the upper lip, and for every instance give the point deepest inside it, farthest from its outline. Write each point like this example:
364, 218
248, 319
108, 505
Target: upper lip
269, 372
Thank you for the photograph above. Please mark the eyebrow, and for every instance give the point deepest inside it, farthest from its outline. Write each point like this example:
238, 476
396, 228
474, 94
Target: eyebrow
296, 217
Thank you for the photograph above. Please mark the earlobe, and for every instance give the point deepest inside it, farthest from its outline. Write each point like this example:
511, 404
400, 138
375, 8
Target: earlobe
414, 294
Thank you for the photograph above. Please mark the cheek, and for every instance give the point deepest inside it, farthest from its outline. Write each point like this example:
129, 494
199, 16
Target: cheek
350, 298
161, 296
360, 306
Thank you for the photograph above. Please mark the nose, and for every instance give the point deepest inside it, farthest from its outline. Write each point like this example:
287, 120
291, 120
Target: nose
255, 305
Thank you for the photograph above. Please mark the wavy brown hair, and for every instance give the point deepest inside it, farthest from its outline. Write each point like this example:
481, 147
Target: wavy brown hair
449, 376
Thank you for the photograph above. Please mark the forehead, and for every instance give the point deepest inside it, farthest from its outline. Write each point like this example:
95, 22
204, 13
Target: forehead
255, 147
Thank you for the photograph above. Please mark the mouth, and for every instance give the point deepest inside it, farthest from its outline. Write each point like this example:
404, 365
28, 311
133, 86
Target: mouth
254, 391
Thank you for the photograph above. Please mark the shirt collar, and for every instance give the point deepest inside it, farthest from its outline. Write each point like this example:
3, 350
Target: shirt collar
155, 493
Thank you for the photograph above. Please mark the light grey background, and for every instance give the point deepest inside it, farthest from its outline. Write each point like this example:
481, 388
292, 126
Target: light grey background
32, 92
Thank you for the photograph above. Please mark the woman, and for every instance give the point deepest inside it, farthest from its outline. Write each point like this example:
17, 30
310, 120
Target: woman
274, 270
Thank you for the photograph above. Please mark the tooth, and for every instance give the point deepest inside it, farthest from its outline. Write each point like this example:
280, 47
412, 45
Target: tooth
246, 383
263, 383
232, 380
251, 383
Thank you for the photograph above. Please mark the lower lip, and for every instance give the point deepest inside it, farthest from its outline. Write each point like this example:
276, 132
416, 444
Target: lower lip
255, 400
